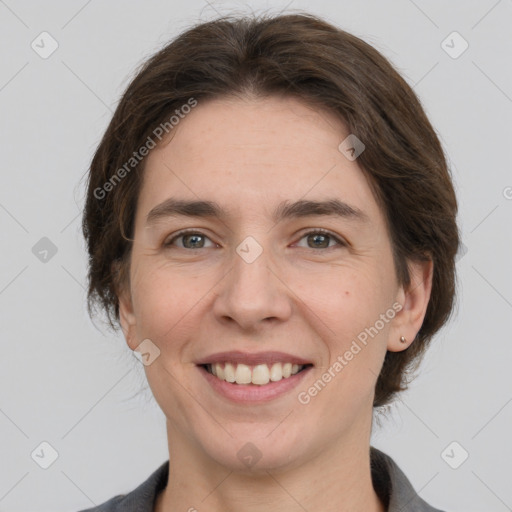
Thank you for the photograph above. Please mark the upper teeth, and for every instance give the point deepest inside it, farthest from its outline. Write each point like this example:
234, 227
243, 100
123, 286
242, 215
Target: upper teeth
260, 374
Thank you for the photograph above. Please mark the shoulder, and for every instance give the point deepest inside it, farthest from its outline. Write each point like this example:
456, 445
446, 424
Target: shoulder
140, 499
393, 487
114, 504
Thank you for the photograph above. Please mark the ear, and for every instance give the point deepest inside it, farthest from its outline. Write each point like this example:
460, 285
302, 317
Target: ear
127, 320
126, 314
414, 300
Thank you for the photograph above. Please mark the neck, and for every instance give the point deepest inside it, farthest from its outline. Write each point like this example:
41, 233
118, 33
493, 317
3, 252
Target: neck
336, 480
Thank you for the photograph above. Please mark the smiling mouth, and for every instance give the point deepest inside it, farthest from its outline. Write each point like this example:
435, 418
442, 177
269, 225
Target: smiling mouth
260, 374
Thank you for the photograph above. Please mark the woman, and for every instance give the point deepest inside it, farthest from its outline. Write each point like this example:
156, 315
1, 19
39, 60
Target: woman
271, 220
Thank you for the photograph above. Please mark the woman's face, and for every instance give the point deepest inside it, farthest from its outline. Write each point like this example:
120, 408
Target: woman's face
264, 284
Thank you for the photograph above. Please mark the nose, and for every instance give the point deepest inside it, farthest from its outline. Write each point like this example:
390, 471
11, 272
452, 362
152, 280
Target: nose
253, 294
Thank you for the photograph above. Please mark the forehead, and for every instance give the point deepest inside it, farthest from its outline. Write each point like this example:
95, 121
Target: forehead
244, 153
279, 125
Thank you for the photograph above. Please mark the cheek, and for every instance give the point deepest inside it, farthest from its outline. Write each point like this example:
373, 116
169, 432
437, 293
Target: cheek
346, 295
162, 300
349, 304
356, 344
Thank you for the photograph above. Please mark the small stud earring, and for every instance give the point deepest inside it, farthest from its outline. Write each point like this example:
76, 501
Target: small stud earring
402, 339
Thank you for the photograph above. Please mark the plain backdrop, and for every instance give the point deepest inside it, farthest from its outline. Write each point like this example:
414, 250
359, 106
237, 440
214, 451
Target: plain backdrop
71, 383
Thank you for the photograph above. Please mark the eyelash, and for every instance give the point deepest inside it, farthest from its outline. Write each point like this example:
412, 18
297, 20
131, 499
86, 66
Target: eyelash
320, 231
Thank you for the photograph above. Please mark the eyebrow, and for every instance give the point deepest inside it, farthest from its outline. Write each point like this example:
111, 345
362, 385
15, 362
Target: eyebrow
173, 207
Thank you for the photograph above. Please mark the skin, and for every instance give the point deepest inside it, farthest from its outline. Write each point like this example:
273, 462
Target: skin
248, 155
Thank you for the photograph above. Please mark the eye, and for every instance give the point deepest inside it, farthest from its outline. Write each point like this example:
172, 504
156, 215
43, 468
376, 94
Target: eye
321, 238
189, 240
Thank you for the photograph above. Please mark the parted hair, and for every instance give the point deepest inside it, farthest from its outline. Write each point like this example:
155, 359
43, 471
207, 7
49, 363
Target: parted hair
304, 56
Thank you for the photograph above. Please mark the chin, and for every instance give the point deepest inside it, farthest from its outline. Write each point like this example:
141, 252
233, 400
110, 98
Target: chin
256, 453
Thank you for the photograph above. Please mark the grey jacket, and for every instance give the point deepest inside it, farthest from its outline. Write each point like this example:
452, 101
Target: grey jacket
390, 483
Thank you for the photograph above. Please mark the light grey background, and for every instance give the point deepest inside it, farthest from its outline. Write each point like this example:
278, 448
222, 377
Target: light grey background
70, 383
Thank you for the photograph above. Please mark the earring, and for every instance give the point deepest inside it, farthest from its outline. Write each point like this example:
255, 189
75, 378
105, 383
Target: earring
402, 339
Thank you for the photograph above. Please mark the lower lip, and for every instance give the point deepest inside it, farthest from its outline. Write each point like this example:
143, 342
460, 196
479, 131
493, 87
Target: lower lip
252, 393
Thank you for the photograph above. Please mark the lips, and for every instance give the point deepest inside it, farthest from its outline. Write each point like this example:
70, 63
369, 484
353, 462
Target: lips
252, 359
243, 376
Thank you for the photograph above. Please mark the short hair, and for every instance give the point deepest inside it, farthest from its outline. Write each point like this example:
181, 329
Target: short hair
303, 56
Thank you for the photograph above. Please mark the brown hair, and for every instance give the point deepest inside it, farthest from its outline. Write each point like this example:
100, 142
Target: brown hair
304, 56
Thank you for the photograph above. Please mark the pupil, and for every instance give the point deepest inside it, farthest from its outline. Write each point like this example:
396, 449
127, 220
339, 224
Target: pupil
193, 239
316, 237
